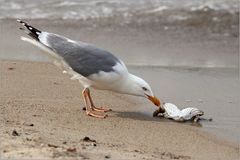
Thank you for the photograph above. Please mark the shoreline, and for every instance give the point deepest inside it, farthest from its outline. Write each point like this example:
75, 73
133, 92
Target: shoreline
38, 93
174, 46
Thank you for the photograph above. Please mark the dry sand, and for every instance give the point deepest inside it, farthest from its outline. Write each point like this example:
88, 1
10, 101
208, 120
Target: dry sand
45, 109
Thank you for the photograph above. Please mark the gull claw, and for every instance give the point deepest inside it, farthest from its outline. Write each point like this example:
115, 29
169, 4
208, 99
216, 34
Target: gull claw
91, 113
100, 109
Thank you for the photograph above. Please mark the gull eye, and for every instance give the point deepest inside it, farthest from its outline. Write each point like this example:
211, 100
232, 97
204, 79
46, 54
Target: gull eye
144, 88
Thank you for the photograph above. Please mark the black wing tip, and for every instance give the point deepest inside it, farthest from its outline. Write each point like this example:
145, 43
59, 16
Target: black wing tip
31, 31
22, 22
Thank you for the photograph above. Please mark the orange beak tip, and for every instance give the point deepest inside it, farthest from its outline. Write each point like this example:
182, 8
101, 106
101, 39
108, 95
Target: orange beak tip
155, 100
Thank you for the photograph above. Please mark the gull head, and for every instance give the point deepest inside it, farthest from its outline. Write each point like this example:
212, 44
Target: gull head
139, 87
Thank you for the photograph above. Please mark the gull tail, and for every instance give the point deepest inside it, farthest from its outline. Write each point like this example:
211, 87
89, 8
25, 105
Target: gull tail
35, 39
30, 30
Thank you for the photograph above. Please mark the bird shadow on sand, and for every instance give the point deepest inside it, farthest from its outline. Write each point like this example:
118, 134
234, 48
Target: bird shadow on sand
145, 117
137, 116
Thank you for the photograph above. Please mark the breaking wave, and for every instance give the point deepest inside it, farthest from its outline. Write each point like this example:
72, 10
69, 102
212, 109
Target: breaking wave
84, 9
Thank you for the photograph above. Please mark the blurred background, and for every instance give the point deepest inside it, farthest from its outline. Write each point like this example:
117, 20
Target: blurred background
195, 33
187, 49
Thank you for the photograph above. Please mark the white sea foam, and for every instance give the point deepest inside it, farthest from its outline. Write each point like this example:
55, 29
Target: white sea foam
10, 5
177, 18
83, 9
158, 9
66, 3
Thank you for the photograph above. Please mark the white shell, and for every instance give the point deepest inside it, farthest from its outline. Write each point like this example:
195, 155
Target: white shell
173, 112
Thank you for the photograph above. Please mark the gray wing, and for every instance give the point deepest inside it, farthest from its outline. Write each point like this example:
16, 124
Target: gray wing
83, 58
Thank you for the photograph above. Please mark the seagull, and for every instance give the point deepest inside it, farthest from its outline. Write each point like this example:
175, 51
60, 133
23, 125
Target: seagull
91, 66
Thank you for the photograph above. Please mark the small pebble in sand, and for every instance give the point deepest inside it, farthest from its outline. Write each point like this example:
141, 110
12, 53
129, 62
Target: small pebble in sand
72, 150
11, 68
28, 124
36, 115
52, 145
87, 139
107, 157
15, 133
92, 141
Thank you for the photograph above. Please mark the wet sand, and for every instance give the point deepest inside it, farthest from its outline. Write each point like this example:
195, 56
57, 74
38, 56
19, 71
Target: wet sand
168, 45
45, 108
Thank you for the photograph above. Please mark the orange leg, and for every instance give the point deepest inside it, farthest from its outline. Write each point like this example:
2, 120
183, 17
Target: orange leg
89, 110
98, 109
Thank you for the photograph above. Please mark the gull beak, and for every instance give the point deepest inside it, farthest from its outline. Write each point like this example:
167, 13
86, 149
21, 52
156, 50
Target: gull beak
154, 100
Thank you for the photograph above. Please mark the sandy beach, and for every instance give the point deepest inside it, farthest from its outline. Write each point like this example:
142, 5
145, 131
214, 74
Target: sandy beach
42, 117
